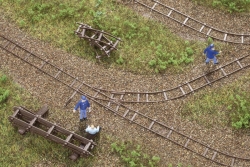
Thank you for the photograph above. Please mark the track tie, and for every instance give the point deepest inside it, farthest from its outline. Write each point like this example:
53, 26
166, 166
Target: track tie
205, 152
100, 36
74, 82
202, 28
16, 112
73, 94
165, 95
185, 21
138, 97
169, 133
207, 80
31, 123
239, 63
117, 108
153, 7
182, 91
26, 58
8, 42
209, 31
13, 47
152, 123
133, 117
50, 130
58, 73
44, 62
225, 37
83, 32
170, 13
190, 87
224, 73
112, 95
68, 139
121, 97
232, 163
215, 153
126, 112
97, 92
87, 147
187, 142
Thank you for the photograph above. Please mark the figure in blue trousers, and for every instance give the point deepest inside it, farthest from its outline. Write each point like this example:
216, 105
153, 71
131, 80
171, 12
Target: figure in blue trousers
84, 105
211, 53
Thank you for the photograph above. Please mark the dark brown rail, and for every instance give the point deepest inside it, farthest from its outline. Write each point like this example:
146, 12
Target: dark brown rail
25, 119
196, 25
183, 89
129, 114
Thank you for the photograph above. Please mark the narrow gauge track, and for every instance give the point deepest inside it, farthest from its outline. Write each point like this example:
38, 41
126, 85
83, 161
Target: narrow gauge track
156, 127
196, 25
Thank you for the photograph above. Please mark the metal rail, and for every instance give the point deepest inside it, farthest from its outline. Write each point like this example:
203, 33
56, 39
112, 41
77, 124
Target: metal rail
180, 91
194, 24
127, 113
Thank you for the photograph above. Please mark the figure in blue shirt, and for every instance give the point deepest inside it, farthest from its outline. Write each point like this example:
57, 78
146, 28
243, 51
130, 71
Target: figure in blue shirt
83, 104
211, 53
92, 130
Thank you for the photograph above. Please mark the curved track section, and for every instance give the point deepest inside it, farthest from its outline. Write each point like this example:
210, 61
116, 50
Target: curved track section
183, 89
156, 127
196, 25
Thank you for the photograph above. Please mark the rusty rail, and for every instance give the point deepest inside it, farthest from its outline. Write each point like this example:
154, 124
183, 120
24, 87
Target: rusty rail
100, 39
180, 91
26, 121
118, 108
196, 25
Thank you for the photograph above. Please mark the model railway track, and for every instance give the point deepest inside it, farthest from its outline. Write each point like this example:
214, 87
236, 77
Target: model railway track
196, 25
183, 89
118, 108
180, 91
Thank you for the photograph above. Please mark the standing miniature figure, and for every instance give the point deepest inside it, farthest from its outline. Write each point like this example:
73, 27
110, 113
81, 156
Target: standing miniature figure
84, 105
211, 53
